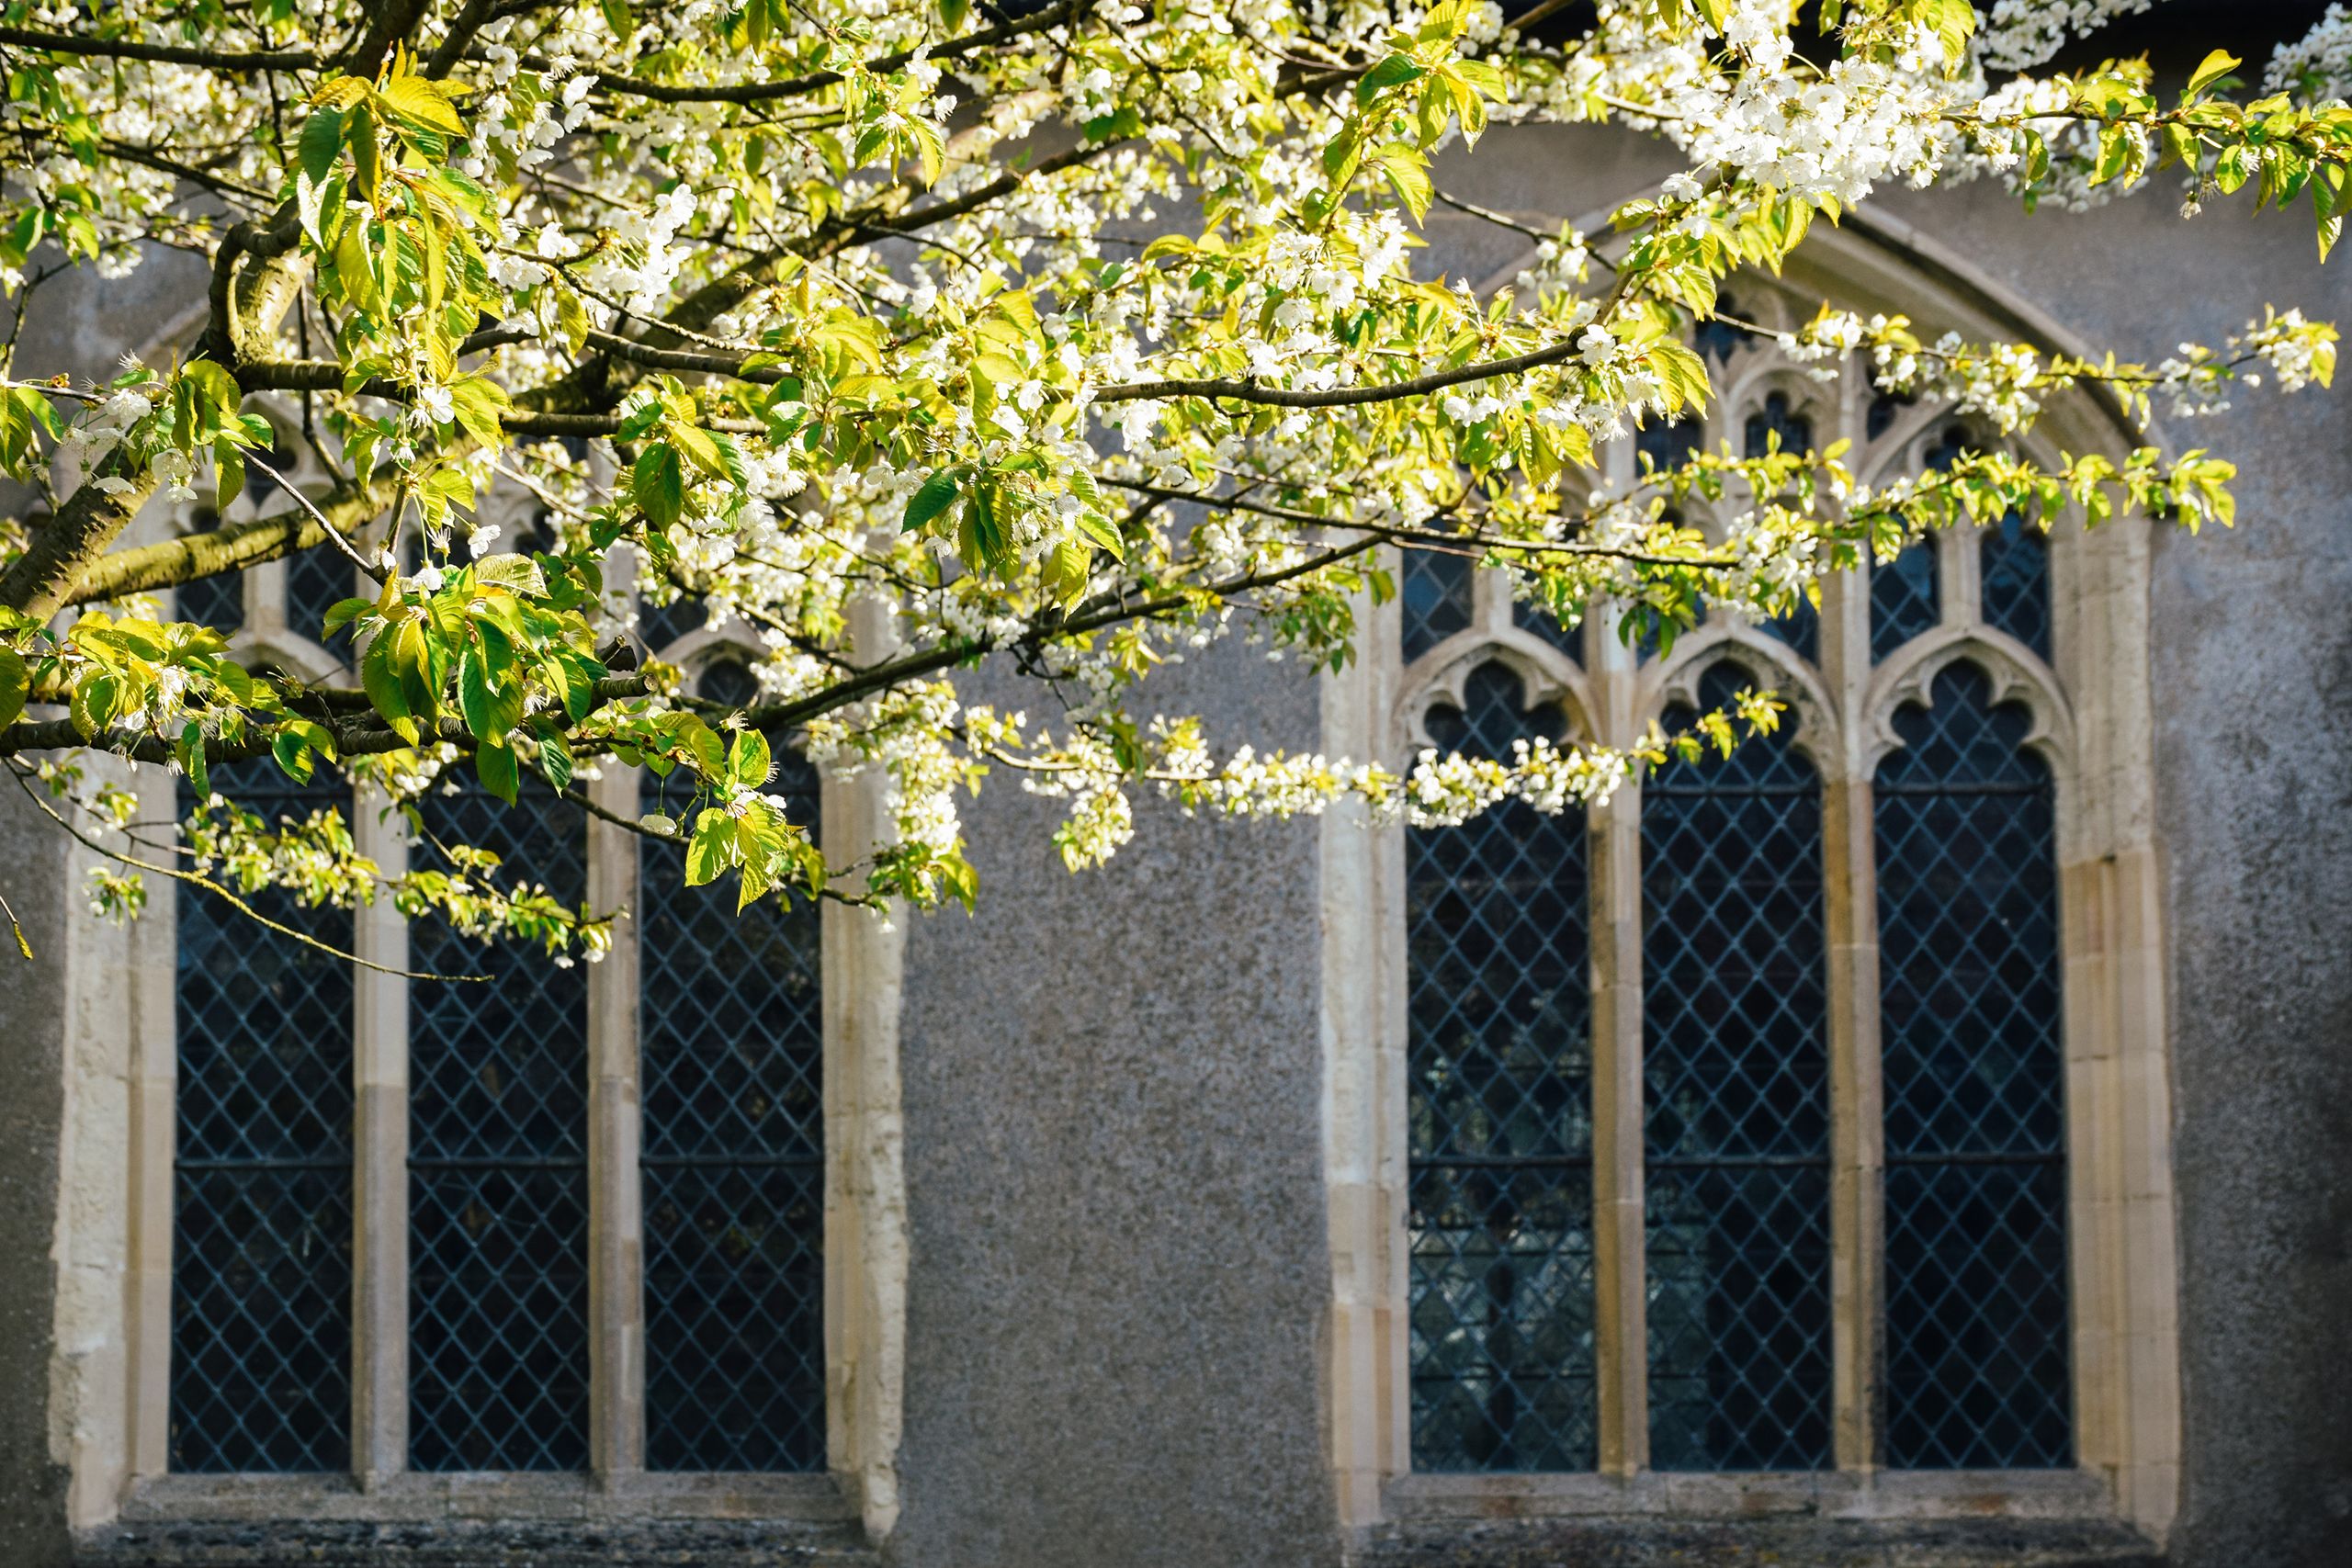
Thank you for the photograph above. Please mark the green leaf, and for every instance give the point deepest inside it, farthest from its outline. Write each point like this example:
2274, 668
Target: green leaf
2218, 64
192, 758
1409, 176
936, 494
321, 141
1392, 72
556, 759
519, 575
748, 762
659, 484
228, 473
382, 684
709, 850
500, 776
16, 685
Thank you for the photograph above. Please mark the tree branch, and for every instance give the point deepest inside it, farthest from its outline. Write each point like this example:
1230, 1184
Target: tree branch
161, 53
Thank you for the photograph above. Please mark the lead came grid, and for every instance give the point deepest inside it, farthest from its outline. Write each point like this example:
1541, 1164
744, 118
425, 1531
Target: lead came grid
260, 1231
732, 1043
1736, 1185
1500, 1122
1978, 1372
498, 1181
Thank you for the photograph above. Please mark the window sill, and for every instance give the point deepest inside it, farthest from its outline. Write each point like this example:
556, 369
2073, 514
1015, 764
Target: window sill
814, 1500
1837, 1494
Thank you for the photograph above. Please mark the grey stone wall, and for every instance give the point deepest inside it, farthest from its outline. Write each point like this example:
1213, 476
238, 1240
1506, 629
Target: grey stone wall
1114, 1163
32, 1099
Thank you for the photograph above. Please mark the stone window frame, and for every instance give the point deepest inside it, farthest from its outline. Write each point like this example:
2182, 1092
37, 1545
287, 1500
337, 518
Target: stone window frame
2093, 724
110, 1378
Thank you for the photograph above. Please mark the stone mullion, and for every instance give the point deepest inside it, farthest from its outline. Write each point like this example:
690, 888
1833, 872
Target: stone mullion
615, 1208
1620, 1282
1856, 1140
863, 964
379, 1200
1857, 1097
1620, 1315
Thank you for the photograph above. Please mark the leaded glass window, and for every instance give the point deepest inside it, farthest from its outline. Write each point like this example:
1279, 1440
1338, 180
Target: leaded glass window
1903, 602
1499, 1112
1977, 1356
731, 1052
1736, 1127
1436, 592
2015, 581
261, 1232
316, 581
1800, 628
1531, 616
498, 1180
217, 601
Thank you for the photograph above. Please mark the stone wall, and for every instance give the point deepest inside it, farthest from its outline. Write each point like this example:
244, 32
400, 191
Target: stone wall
1113, 1171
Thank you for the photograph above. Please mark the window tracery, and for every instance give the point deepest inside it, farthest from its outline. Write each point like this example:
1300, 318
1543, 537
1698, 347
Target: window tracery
1938, 1274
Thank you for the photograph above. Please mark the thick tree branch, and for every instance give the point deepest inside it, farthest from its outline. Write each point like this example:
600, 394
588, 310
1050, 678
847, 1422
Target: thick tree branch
161, 53
799, 87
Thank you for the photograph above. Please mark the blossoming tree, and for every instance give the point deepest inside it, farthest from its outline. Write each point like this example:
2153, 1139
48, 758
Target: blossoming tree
905, 332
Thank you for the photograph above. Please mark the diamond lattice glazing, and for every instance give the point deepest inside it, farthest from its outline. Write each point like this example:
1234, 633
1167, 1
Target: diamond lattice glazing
1903, 601
261, 1245
1977, 1352
1735, 1018
1435, 591
732, 1041
498, 1360
1500, 1122
2014, 579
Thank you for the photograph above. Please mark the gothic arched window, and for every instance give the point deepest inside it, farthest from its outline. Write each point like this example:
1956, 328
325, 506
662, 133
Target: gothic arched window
1977, 1363
1736, 1084
1500, 1117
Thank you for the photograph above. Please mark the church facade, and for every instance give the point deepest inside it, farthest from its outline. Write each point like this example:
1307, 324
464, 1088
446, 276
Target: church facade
1921, 1137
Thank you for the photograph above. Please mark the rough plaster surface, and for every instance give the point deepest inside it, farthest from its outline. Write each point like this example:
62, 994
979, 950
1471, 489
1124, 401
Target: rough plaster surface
1114, 1176
32, 1011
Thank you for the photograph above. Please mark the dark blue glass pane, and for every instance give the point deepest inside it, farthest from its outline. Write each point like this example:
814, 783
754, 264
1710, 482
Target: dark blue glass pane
1777, 418
1668, 443
1884, 409
1977, 1354
2016, 582
1436, 594
732, 1043
260, 1242
1949, 447
1800, 629
1535, 618
219, 601
316, 581
659, 625
1717, 339
1903, 601
498, 1298
1737, 1130
1500, 1122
